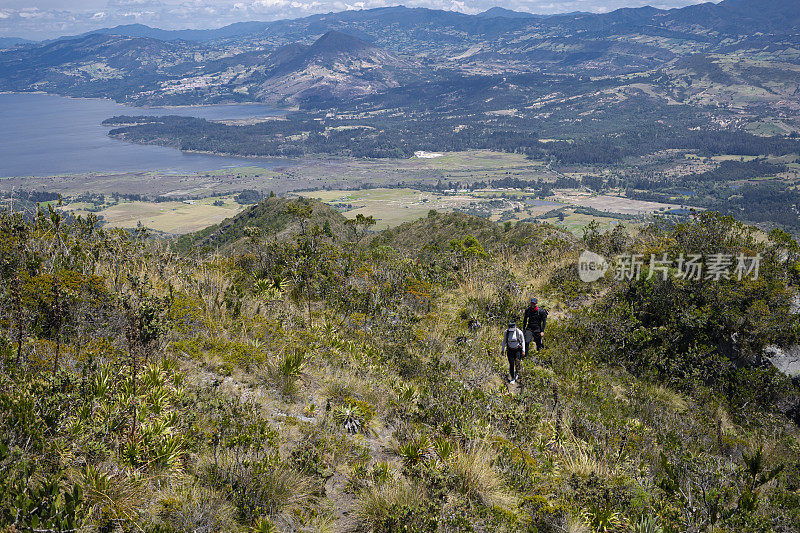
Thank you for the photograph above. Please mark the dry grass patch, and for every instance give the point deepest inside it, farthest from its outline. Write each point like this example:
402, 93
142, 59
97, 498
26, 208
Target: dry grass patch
579, 458
675, 400
376, 505
198, 509
478, 480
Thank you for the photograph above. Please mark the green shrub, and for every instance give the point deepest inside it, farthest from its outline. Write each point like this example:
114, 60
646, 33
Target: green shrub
309, 458
415, 451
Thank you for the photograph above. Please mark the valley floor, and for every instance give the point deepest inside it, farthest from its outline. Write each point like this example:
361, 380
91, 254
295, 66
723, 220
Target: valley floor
394, 191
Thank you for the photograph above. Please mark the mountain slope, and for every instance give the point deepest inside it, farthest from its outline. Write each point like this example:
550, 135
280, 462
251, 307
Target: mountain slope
310, 386
353, 53
95, 65
438, 230
335, 66
140, 30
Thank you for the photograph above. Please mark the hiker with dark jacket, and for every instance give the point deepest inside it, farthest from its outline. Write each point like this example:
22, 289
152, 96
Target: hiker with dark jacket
533, 325
514, 347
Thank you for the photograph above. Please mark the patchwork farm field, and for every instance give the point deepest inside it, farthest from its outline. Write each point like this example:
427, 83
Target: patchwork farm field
390, 207
576, 222
613, 204
168, 217
502, 187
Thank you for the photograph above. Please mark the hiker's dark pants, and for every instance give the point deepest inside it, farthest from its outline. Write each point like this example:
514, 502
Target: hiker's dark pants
514, 355
533, 337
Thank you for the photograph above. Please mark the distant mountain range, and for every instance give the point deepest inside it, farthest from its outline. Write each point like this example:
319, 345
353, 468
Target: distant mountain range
9, 42
367, 52
240, 29
727, 18
237, 29
144, 68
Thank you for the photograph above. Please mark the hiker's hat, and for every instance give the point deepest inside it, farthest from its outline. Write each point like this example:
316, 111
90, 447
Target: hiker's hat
512, 324
534, 301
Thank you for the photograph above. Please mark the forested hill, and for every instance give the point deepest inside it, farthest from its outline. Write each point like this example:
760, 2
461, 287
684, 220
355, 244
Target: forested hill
438, 231
282, 219
339, 380
268, 218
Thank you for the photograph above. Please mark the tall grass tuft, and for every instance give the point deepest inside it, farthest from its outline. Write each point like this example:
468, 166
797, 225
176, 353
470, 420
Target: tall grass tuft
380, 509
261, 486
476, 478
110, 497
577, 458
198, 509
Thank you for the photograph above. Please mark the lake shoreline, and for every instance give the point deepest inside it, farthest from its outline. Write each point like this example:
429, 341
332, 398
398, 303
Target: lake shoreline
134, 106
44, 134
121, 137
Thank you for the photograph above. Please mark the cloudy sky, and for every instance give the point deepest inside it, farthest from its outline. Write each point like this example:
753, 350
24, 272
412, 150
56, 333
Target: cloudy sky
40, 19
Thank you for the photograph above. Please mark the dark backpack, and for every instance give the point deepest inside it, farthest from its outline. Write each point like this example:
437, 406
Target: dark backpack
537, 321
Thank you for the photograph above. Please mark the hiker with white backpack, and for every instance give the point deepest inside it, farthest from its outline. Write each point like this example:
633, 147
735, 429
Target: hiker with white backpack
514, 347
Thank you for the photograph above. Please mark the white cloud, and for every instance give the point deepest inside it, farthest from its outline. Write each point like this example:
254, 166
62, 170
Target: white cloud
269, 3
99, 16
31, 14
132, 3
462, 7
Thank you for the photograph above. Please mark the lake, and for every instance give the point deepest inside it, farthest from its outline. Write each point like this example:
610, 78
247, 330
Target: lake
44, 135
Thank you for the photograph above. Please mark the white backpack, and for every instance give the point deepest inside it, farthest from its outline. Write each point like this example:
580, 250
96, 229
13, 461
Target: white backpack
513, 338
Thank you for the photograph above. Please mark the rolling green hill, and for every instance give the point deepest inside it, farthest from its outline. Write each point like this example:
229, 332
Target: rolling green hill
269, 218
438, 230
